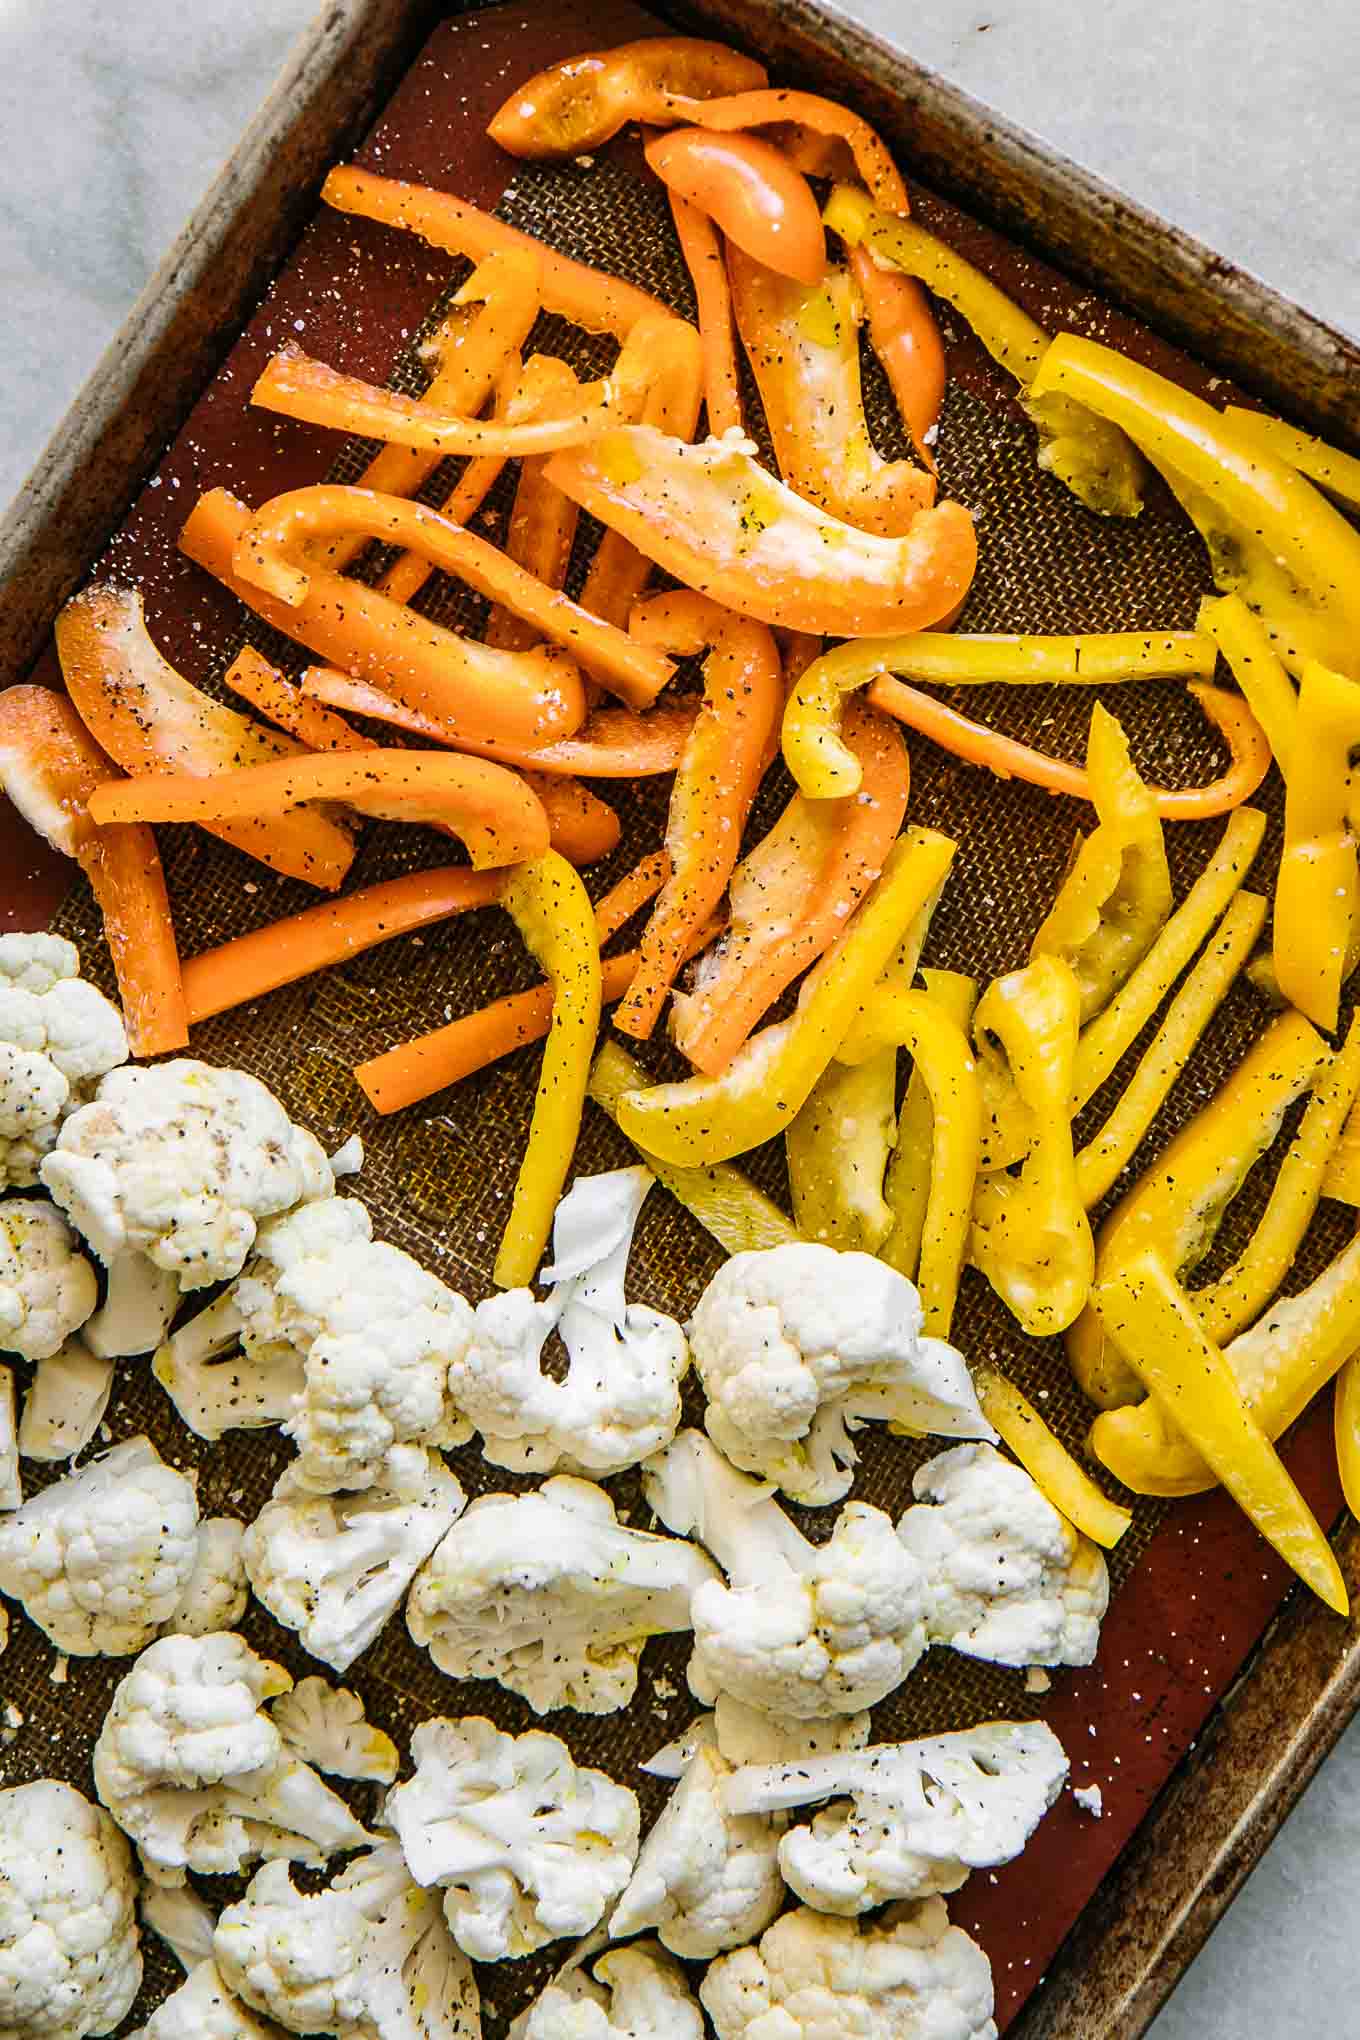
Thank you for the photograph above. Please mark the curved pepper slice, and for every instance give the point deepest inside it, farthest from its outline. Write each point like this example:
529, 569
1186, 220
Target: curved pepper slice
1117, 895
1346, 1430
1048, 1462
906, 340
802, 342
776, 107
283, 702
149, 718
906, 1184
550, 907
710, 1119
1031, 1237
50, 766
1338, 473
716, 781
1260, 673
759, 200
581, 103
1317, 893
542, 527
701, 246
1145, 1310
715, 519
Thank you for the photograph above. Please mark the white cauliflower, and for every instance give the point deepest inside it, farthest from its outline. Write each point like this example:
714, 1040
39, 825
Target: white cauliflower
57, 1034
526, 1846
1010, 1579
746, 1736
799, 1345
205, 2009
65, 1404
800, 1629
636, 1994
921, 1815
70, 1964
327, 1726
336, 1567
181, 1162
343, 1340
197, 1774
100, 1559
418, 1982
47, 1286
906, 1976
216, 1591
140, 1300
620, 1400
549, 1593
178, 1916
11, 1491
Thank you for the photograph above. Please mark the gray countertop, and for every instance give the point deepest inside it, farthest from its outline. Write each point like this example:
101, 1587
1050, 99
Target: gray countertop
1236, 123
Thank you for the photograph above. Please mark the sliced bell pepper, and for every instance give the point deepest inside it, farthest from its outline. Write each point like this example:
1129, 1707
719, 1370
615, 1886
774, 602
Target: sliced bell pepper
1338, 473
715, 519
149, 718
1317, 893
1346, 1430
1272, 537
792, 897
540, 537
589, 298
1178, 1205
251, 677
50, 766
906, 1183
776, 107
1116, 898
906, 340
1342, 1177
755, 195
488, 806
802, 342
1149, 1315
1109, 1151
552, 910
701, 246
1260, 673
1048, 1462
581, 103
710, 1119
716, 781
1031, 1237
581, 827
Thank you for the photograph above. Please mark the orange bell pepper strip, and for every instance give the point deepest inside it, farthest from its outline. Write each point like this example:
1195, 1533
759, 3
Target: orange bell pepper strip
489, 807
282, 702
717, 780
50, 766
702, 249
760, 202
581, 827
541, 533
149, 718
978, 745
582, 103
904, 335
332, 932
587, 297
712, 517
792, 897
775, 107
802, 342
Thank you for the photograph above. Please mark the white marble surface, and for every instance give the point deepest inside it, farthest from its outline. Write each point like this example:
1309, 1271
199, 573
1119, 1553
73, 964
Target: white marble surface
1236, 122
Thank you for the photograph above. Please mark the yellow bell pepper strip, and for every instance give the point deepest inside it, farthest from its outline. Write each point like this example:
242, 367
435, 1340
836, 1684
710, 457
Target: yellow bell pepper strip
1342, 1178
1245, 643
1096, 460
701, 246
727, 1204
1346, 1429
1109, 1151
906, 1185
1116, 898
716, 781
1179, 1203
1336, 472
802, 342
1048, 1462
1031, 1237
1149, 1315
552, 910
149, 718
541, 531
1318, 888
709, 1119
1279, 1365
714, 518
1272, 537
581, 103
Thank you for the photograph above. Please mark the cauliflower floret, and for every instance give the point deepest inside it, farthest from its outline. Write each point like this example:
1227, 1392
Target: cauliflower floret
922, 1815
47, 1286
57, 1033
908, 1974
197, 1774
526, 1846
181, 1161
800, 1629
620, 1400
100, 1559
69, 1960
65, 1404
336, 1567
418, 1982
1010, 1579
180, 1918
216, 1591
204, 2008
297, 1959
344, 1340
637, 1994
746, 1736
327, 1726
11, 1492
799, 1345
549, 1593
